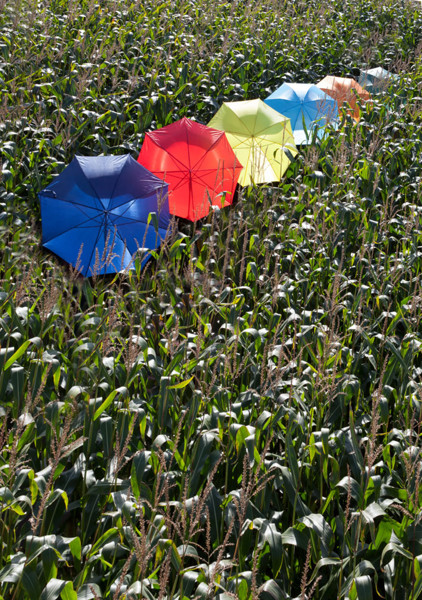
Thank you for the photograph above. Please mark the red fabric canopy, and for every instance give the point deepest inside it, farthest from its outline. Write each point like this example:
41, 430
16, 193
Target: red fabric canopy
198, 164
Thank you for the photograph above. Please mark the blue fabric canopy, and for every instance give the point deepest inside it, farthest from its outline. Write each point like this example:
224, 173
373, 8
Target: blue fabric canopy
306, 106
95, 213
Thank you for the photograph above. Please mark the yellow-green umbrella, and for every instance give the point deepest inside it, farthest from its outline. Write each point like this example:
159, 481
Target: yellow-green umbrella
259, 136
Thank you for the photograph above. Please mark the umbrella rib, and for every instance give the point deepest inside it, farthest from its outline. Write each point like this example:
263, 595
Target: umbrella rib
263, 143
187, 145
247, 166
254, 123
267, 162
310, 126
129, 205
240, 143
116, 182
69, 229
175, 159
182, 181
204, 182
286, 110
320, 115
244, 126
205, 153
300, 115
169, 153
198, 178
190, 198
282, 121
95, 243
91, 186
282, 143
182, 175
73, 203
125, 247
129, 218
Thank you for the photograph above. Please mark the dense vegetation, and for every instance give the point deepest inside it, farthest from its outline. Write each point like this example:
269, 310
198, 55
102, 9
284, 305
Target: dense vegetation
241, 419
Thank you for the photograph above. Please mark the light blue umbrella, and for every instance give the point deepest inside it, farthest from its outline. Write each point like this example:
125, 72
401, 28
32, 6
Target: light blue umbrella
307, 107
377, 79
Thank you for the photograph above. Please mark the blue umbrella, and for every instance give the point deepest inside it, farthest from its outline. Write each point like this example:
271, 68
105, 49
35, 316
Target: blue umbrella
306, 106
95, 213
376, 80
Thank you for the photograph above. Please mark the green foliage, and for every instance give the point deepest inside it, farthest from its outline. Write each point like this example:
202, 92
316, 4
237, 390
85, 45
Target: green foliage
241, 418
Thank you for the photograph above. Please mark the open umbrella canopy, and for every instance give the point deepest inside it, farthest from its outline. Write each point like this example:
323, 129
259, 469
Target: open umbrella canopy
376, 80
95, 213
259, 136
345, 90
307, 107
198, 164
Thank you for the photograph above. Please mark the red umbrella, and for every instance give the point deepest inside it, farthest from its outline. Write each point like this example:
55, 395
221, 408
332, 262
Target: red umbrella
198, 164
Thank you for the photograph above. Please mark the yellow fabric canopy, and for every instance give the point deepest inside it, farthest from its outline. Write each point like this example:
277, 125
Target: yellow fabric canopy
259, 136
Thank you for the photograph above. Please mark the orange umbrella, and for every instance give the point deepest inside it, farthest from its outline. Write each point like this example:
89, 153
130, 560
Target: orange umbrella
344, 89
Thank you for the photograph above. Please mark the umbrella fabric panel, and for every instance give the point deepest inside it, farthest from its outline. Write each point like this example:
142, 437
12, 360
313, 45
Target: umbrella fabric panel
180, 204
267, 159
185, 141
229, 121
243, 151
200, 190
136, 182
160, 160
150, 239
75, 246
103, 173
238, 141
285, 108
73, 183
218, 156
202, 143
95, 252
139, 209
378, 72
222, 190
58, 217
279, 134
241, 116
261, 167
268, 120
132, 225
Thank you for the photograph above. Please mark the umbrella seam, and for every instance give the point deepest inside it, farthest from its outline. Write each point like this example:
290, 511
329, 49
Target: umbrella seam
125, 247
280, 122
78, 205
190, 198
95, 243
165, 150
238, 118
129, 218
206, 184
206, 152
117, 181
89, 183
69, 229
41, 195
247, 167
